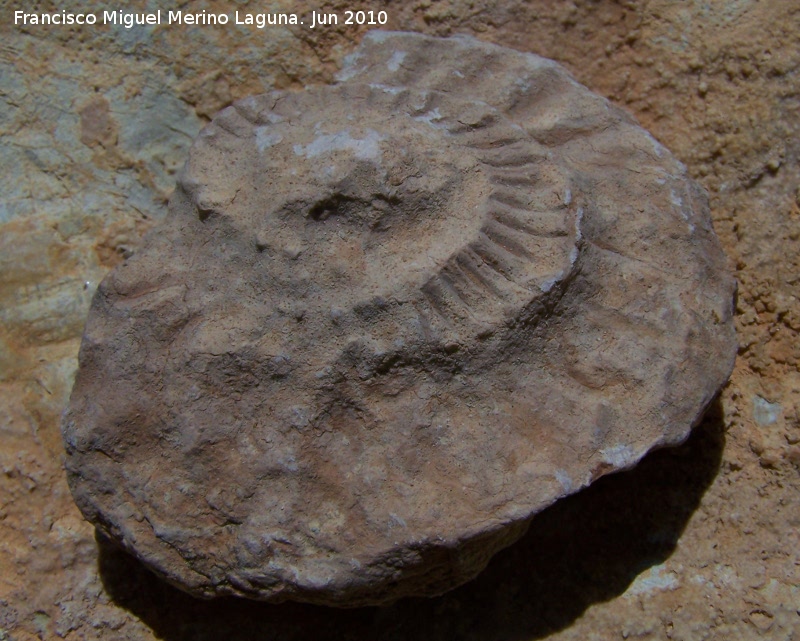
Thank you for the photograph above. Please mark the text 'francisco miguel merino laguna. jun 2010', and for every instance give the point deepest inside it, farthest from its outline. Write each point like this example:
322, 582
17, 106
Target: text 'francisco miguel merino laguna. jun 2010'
130, 19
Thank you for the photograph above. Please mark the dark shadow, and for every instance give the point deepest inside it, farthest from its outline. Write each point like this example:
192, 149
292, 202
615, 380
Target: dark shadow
585, 549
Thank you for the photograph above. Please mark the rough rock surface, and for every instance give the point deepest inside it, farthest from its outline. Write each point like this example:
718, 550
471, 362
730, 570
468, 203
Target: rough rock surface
386, 322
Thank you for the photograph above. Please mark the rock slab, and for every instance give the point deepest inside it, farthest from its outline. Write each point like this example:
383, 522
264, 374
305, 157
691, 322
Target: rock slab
387, 321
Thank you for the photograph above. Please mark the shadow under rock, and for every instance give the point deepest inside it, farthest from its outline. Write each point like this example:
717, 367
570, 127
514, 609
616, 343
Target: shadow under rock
584, 549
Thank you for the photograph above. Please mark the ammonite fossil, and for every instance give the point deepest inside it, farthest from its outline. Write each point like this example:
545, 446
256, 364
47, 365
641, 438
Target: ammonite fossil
386, 322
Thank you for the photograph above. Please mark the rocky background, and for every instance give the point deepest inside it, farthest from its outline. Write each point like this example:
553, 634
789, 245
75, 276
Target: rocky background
698, 542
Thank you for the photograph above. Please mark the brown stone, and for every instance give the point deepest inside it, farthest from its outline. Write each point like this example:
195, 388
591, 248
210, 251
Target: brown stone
97, 126
388, 321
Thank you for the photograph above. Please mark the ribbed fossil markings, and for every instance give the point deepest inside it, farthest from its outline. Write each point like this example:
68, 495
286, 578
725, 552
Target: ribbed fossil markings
458, 127
474, 268
444, 297
476, 294
583, 379
494, 142
469, 287
500, 259
497, 136
433, 293
514, 178
524, 236
544, 224
512, 156
512, 199
501, 236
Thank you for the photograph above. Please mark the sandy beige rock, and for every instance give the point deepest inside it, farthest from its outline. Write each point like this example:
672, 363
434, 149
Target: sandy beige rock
387, 321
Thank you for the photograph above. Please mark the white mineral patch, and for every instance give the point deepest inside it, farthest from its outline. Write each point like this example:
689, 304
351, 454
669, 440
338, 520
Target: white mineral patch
250, 102
289, 463
431, 118
573, 255
658, 148
396, 60
349, 68
523, 85
378, 36
366, 148
565, 480
266, 138
678, 202
620, 456
656, 578
547, 285
387, 89
764, 412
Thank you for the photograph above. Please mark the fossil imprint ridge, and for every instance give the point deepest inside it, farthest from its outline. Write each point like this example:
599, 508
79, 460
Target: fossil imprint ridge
386, 322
